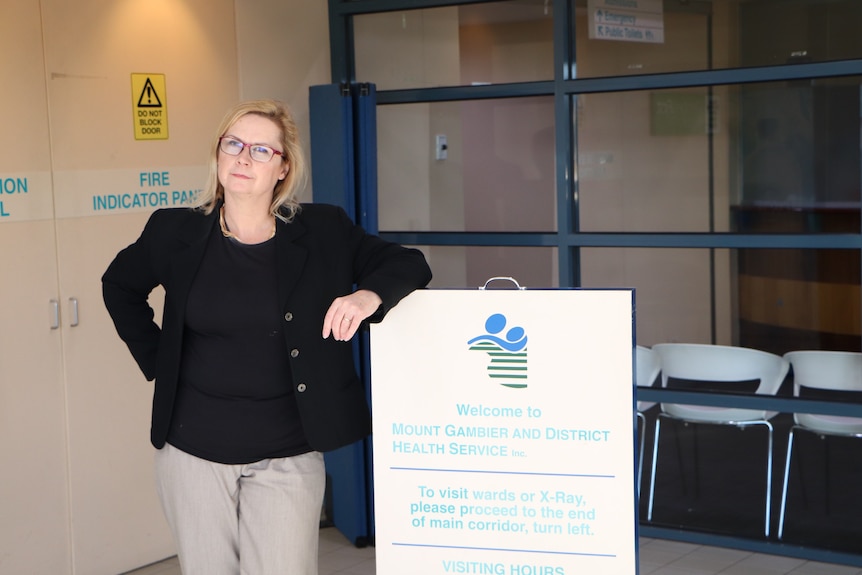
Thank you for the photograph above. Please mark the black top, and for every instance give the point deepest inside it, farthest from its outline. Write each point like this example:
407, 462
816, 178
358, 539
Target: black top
235, 402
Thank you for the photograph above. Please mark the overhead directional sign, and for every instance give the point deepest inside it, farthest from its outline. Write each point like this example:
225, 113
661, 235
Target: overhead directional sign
149, 107
627, 20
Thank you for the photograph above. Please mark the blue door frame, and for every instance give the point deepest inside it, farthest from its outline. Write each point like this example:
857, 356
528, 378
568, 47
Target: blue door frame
344, 173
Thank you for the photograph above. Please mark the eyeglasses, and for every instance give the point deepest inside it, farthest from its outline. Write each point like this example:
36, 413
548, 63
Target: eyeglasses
258, 152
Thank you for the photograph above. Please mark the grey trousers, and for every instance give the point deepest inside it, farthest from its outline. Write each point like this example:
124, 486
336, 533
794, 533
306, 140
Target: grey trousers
261, 518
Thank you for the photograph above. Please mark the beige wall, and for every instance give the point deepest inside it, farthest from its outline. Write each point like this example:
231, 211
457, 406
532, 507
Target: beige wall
293, 37
92, 47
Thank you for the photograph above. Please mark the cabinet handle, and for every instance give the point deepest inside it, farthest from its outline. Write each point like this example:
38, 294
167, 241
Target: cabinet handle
73, 301
55, 314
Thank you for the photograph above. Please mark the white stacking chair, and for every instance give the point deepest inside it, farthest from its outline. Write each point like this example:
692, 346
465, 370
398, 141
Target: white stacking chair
701, 363
646, 373
823, 370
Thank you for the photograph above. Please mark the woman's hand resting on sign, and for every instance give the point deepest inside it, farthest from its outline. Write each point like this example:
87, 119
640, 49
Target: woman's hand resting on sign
347, 312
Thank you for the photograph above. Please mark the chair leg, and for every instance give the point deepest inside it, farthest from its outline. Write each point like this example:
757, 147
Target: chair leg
828, 474
677, 435
652, 472
641, 432
696, 437
783, 509
768, 482
801, 466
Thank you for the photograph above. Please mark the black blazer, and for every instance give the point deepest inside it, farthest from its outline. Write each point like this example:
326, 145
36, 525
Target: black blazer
321, 255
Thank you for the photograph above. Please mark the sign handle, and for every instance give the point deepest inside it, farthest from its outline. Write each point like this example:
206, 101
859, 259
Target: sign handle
506, 278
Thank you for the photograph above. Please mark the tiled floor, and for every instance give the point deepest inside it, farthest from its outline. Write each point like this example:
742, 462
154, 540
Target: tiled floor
657, 557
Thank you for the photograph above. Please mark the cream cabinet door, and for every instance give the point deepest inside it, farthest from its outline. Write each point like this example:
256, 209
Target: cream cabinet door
34, 494
77, 490
117, 521
35, 528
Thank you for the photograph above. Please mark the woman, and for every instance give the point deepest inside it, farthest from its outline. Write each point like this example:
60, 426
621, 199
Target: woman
253, 367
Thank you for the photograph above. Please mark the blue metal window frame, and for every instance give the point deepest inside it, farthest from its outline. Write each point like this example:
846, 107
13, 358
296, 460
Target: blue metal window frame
565, 88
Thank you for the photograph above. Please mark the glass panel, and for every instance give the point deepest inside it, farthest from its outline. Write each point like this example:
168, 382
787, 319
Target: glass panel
673, 290
497, 173
775, 300
679, 35
644, 161
774, 158
657, 37
472, 266
491, 43
800, 149
799, 299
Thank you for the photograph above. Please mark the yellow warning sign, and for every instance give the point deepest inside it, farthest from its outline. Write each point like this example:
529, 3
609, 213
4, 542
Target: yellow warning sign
149, 107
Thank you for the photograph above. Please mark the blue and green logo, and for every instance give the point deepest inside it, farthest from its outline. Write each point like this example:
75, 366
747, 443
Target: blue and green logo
508, 353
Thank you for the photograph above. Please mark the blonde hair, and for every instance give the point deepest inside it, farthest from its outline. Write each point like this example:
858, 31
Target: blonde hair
284, 202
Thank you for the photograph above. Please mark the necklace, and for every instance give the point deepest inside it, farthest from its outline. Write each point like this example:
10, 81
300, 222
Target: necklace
229, 234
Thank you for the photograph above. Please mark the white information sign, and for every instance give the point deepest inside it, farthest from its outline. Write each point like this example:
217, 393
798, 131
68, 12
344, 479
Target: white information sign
626, 20
504, 433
